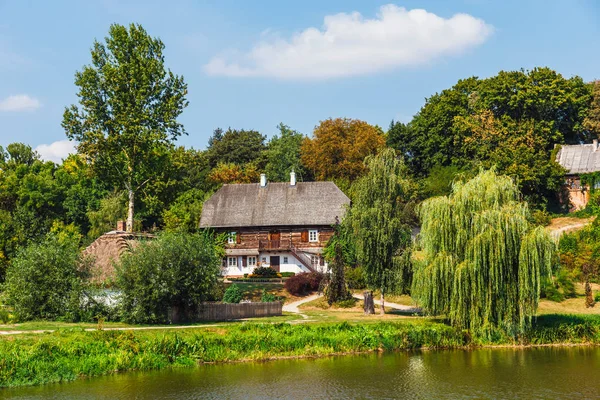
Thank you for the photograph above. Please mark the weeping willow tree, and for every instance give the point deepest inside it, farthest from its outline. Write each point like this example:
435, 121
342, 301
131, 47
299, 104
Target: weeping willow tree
377, 221
483, 262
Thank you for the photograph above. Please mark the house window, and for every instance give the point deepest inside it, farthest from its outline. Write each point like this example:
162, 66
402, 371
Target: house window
313, 236
252, 261
285, 260
231, 238
314, 260
232, 261
264, 260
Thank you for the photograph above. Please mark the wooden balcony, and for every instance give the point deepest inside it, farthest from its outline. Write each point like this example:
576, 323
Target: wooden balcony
281, 244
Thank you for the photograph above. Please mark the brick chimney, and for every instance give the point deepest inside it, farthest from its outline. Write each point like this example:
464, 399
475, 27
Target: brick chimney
121, 226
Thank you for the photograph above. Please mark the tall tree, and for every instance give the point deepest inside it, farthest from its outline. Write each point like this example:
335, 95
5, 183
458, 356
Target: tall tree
592, 120
283, 155
338, 148
235, 146
129, 108
483, 262
377, 219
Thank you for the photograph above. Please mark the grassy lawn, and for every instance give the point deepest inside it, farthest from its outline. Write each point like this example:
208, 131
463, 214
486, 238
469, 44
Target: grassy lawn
568, 306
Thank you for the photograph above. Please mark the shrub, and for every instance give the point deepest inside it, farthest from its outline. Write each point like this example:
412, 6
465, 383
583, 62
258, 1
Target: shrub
562, 288
287, 274
597, 297
233, 295
267, 297
348, 303
303, 283
355, 278
174, 273
264, 272
4, 316
47, 280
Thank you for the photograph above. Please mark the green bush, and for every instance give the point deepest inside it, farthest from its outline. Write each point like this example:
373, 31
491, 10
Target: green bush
562, 288
267, 297
597, 297
175, 272
287, 274
4, 316
355, 278
264, 272
233, 295
348, 303
47, 281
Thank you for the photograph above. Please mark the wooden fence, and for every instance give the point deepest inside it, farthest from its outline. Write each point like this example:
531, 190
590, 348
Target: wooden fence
224, 312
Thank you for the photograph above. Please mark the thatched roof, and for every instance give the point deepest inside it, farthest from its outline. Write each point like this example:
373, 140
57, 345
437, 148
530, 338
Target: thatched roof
579, 158
107, 249
276, 204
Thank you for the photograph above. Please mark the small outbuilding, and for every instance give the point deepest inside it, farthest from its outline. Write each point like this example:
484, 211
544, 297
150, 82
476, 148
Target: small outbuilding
578, 160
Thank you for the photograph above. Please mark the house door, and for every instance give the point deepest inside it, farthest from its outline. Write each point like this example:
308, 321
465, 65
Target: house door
275, 263
275, 240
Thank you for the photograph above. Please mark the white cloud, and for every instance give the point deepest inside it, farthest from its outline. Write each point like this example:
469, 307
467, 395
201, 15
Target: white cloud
56, 151
20, 102
349, 45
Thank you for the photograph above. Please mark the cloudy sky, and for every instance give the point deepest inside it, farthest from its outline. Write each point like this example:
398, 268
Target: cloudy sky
253, 64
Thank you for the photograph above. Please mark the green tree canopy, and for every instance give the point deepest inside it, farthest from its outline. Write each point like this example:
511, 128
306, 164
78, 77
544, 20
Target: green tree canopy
173, 273
236, 147
511, 121
483, 262
129, 108
283, 155
377, 219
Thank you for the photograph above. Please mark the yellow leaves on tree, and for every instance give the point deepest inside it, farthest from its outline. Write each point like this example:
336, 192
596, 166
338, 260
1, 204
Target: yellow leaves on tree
339, 147
233, 173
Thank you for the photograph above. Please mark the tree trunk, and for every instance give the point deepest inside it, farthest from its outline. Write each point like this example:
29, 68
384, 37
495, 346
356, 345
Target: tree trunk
369, 305
382, 307
130, 208
589, 297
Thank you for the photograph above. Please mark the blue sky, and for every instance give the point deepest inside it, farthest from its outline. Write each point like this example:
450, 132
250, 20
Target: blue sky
253, 64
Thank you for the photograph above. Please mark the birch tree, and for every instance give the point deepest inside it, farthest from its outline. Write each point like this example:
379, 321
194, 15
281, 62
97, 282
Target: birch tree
129, 104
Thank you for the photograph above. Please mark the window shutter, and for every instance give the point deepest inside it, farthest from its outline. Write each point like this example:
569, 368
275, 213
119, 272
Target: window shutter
321, 260
244, 261
304, 236
224, 261
238, 238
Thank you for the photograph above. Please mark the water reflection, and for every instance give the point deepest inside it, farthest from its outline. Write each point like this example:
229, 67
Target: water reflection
487, 373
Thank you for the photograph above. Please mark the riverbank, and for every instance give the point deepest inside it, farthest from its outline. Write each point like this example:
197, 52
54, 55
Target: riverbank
67, 355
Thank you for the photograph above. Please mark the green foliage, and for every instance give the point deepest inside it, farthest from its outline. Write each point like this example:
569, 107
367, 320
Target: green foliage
184, 213
283, 155
69, 355
592, 120
303, 283
561, 287
511, 121
264, 272
597, 297
176, 271
355, 278
47, 280
287, 274
237, 147
267, 297
484, 263
233, 295
129, 108
377, 218
336, 288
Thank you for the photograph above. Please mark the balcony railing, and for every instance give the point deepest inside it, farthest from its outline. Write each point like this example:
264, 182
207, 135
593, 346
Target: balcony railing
281, 244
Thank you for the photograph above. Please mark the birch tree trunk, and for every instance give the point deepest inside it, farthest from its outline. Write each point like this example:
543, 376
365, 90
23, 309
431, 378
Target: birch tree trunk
130, 210
382, 307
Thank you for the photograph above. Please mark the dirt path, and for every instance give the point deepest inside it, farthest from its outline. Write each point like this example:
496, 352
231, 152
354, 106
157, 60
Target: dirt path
560, 226
293, 307
396, 306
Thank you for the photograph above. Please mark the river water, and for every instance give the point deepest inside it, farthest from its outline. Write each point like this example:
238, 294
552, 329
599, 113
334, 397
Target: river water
544, 373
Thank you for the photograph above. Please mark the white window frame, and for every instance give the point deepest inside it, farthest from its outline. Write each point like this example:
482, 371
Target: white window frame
265, 260
251, 261
285, 260
231, 238
315, 260
313, 235
232, 261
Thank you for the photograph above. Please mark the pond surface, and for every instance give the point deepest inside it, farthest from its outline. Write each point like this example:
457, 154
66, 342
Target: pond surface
544, 373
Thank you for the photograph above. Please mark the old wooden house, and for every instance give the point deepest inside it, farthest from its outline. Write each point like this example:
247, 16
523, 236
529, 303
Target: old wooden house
578, 159
284, 225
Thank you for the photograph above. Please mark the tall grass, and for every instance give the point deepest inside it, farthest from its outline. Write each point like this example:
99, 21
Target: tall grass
67, 355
